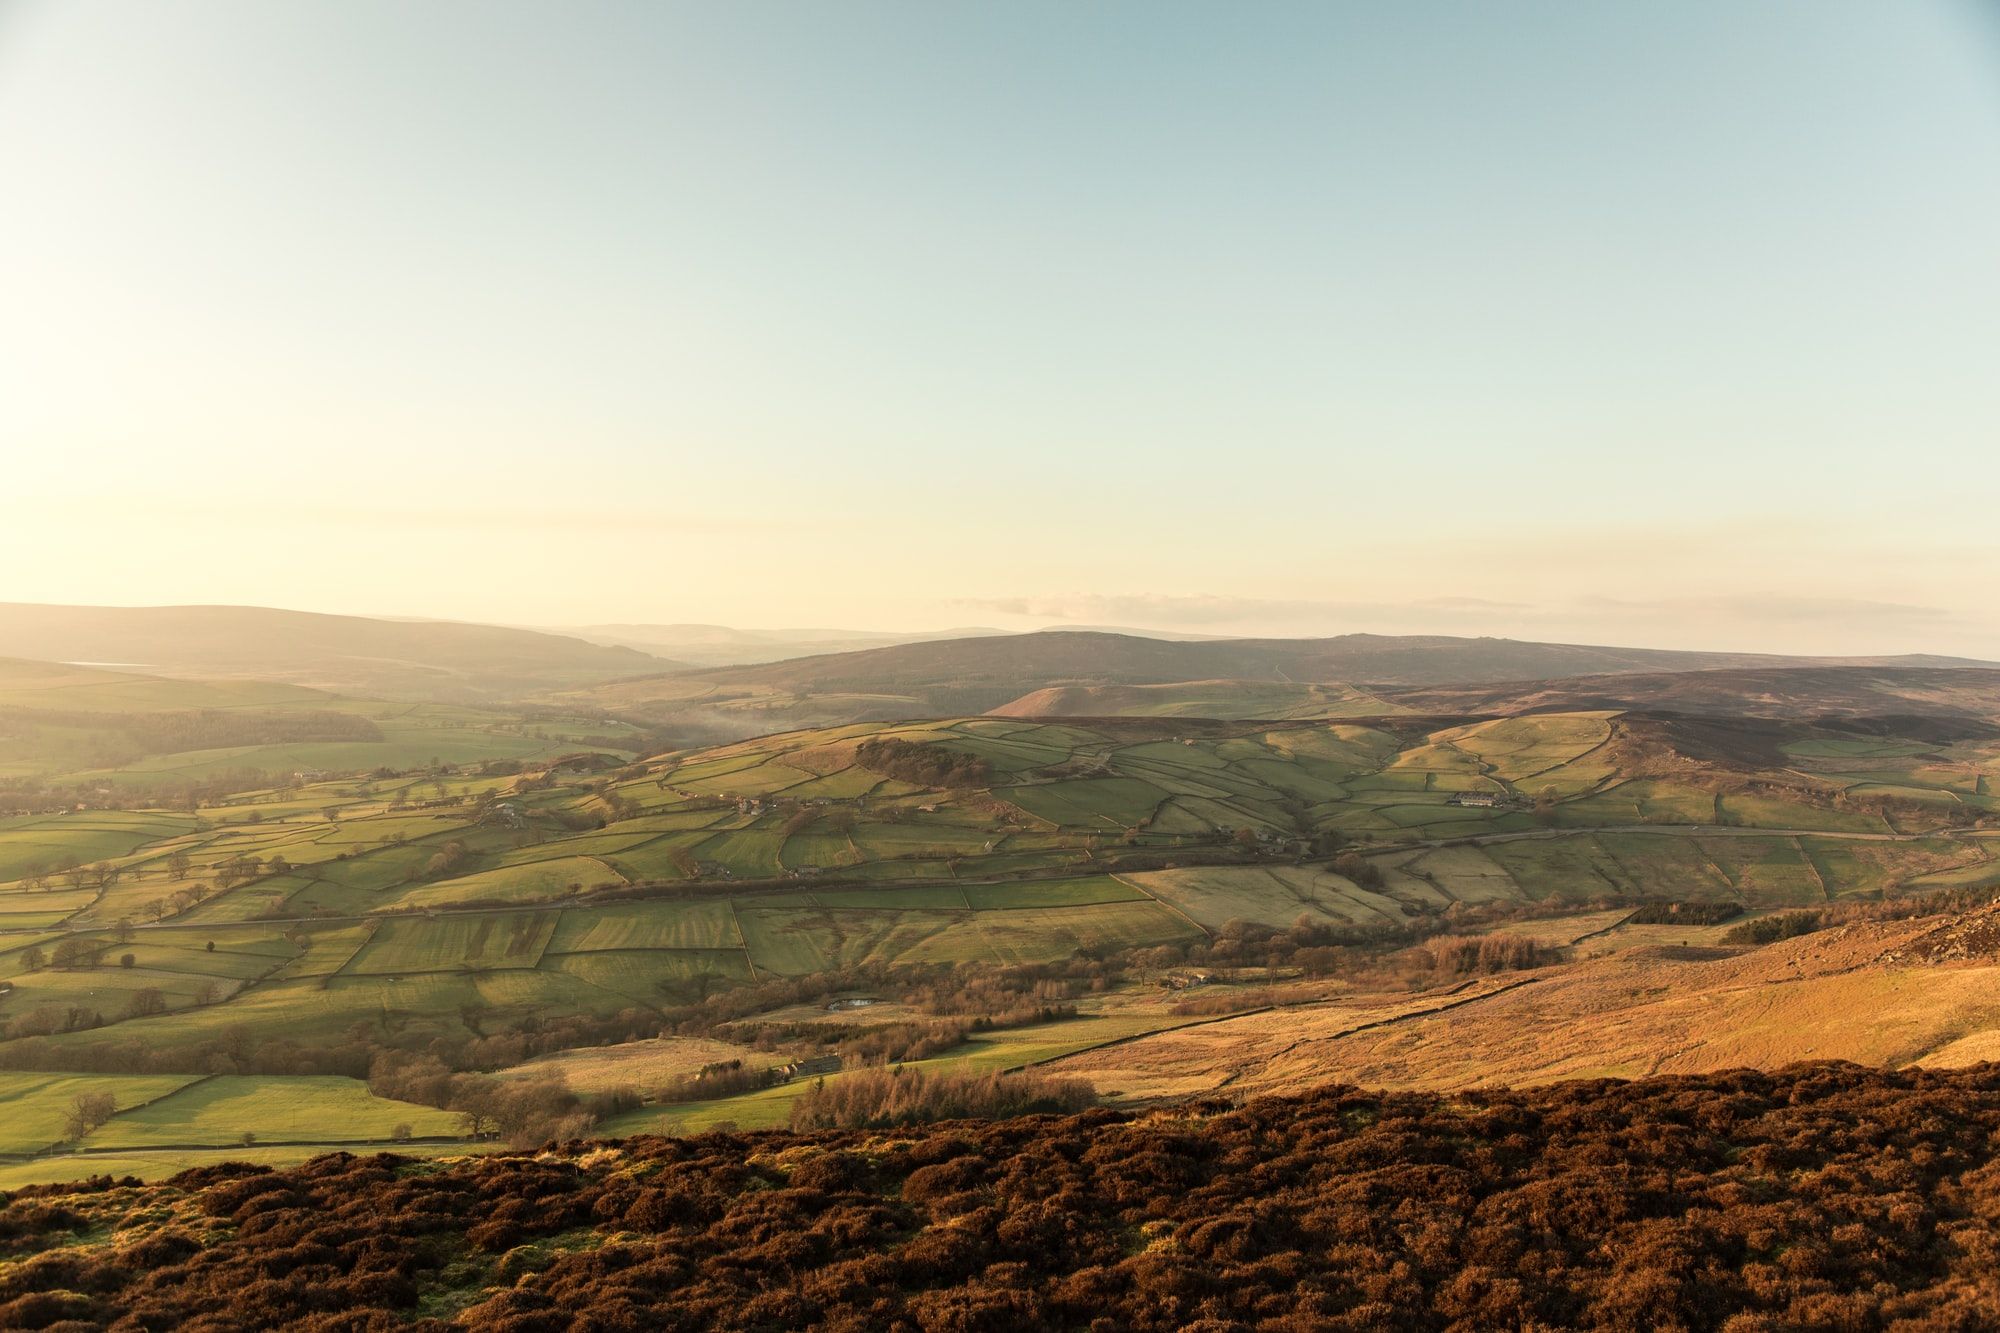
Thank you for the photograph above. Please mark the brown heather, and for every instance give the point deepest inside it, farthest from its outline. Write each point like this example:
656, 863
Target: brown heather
1820, 1196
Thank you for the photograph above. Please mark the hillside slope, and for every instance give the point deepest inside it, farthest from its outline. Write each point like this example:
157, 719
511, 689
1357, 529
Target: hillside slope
436, 660
1059, 656
1971, 692
1631, 1000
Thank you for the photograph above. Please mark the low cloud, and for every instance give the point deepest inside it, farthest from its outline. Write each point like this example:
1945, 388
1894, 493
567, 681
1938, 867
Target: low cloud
1779, 608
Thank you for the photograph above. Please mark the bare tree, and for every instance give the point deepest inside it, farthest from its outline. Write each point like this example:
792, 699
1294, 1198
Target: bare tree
86, 1112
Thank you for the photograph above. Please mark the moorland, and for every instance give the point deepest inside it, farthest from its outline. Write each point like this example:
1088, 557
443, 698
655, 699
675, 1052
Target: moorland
1821, 1196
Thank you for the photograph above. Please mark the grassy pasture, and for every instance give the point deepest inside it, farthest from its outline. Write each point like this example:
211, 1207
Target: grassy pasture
945, 897
1569, 867
1050, 893
32, 1106
1766, 872
1098, 803
654, 976
451, 943
222, 1109
1465, 874
797, 941
1752, 810
686, 924
638, 1064
326, 949
1641, 801
1519, 748
1666, 866
1046, 934
527, 882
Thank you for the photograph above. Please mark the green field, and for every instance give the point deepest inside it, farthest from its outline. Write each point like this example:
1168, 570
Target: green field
457, 942
222, 1110
32, 1106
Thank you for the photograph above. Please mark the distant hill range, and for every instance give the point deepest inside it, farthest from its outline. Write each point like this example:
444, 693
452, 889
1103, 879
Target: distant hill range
1089, 673
723, 645
1014, 664
667, 674
390, 659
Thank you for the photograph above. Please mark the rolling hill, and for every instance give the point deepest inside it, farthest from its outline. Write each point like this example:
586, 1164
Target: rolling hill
1076, 673
389, 659
1966, 692
1800, 693
74, 732
723, 645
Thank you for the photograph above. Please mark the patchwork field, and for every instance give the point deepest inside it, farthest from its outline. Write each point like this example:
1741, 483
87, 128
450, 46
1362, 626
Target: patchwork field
472, 902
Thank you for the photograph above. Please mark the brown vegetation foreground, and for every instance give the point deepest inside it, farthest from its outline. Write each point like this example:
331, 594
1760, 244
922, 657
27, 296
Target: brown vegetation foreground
1821, 1196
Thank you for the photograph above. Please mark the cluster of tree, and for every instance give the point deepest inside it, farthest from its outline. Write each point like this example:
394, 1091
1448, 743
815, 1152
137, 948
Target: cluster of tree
987, 994
522, 1111
1778, 926
1703, 912
138, 734
1362, 871
922, 765
892, 1097
1907, 814
446, 860
217, 729
237, 1050
1819, 1196
893, 1043
22, 796
48, 1019
1379, 953
723, 1078
1804, 921
1460, 955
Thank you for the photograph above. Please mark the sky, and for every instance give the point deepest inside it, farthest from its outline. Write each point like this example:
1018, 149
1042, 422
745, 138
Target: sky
1651, 323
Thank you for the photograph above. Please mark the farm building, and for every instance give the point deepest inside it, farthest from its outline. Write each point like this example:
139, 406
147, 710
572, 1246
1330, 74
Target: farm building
1478, 798
819, 1064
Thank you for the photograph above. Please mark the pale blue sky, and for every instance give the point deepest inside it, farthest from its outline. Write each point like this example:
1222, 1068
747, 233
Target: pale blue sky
1669, 323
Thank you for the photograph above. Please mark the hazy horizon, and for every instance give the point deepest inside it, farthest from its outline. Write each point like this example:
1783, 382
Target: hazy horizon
806, 635
1661, 325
